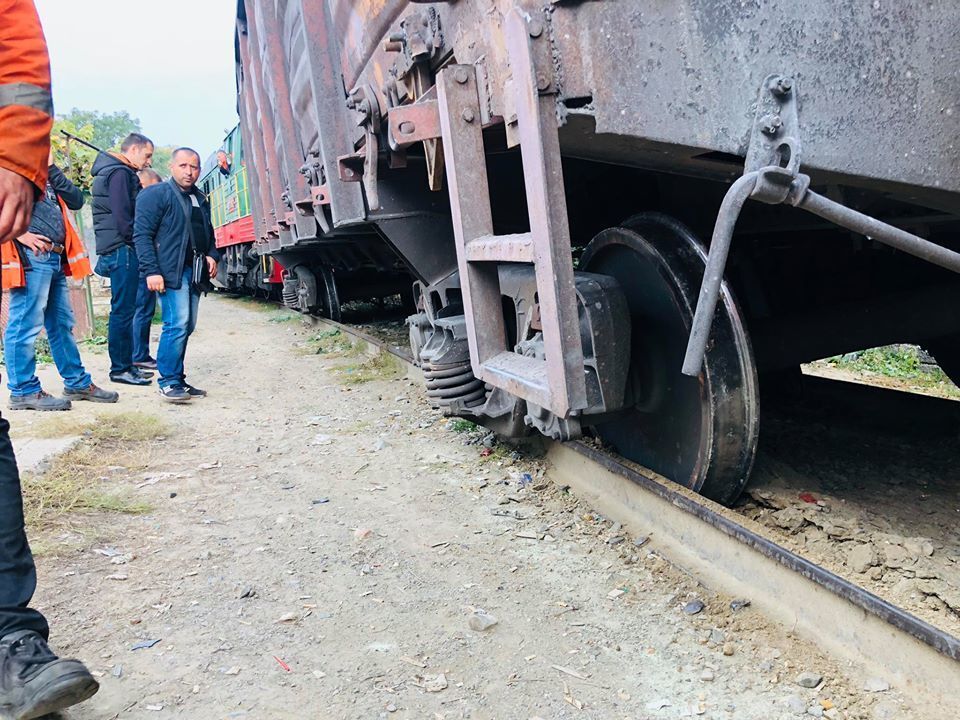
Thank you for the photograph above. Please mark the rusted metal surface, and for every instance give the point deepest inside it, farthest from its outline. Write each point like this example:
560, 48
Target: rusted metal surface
261, 112
555, 382
471, 212
669, 82
266, 31
409, 124
257, 151
321, 52
502, 248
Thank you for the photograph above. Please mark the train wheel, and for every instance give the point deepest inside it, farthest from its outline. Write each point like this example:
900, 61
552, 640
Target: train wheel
700, 432
329, 297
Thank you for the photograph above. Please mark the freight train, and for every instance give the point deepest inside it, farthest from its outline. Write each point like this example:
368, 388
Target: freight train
619, 217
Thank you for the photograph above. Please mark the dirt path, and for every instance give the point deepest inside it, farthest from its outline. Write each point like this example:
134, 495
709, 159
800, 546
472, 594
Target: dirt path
316, 549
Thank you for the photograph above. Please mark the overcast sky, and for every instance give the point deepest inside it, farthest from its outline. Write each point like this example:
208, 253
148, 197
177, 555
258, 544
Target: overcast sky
169, 63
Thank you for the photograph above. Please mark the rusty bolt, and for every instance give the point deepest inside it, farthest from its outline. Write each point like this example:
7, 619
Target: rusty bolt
460, 75
468, 115
543, 81
535, 28
782, 86
770, 125
407, 128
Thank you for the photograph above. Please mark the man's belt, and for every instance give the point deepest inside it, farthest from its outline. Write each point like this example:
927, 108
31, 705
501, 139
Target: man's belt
58, 248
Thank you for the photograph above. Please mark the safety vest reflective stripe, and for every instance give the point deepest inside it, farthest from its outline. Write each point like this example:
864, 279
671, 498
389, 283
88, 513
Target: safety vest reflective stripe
28, 95
76, 258
11, 265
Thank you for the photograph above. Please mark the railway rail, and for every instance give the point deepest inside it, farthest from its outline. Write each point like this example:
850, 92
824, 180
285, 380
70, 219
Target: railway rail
730, 553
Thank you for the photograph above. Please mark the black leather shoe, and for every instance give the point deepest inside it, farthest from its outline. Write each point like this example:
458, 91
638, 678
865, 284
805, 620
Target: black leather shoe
129, 378
141, 372
35, 682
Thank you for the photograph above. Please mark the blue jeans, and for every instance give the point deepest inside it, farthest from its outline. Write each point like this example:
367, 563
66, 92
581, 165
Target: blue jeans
43, 303
18, 575
123, 270
178, 308
142, 320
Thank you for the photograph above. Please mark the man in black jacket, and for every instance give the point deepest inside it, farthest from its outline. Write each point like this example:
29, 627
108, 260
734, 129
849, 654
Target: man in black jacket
173, 235
115, 189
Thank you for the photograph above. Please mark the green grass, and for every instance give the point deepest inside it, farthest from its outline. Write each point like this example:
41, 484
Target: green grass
332, 343
459, 425
283, 315
900, 362
382, 366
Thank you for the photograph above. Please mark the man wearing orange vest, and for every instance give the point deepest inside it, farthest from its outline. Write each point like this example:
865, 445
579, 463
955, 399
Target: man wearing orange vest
33, 681
35, 270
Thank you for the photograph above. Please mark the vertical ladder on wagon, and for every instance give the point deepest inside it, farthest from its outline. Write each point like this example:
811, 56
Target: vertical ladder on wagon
555, 382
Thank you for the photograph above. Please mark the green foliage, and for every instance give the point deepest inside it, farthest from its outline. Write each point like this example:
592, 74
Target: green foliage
161, 159
897, 361
105, 130
903, 364
108, 128
459, 425
74, 159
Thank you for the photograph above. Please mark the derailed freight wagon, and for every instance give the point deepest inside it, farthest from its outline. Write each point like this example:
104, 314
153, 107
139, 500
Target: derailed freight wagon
557, 176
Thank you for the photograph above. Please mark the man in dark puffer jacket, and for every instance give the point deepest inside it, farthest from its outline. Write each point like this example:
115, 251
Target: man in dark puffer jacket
172, 229
115, 188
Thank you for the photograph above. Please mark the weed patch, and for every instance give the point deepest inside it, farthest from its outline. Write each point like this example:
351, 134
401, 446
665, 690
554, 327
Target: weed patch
899, 362
74, 483
332, 343
382, 366
459, 425
112, 427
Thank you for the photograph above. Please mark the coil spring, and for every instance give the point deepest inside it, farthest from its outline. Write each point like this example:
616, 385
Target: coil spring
290, 294
447, 384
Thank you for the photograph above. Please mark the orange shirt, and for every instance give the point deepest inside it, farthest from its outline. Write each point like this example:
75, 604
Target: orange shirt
26, 105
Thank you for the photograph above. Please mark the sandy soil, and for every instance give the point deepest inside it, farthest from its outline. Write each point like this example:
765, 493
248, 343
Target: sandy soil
319, 549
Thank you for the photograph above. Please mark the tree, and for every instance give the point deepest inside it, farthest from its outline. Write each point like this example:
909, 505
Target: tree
108, 128
74, 159
161, 159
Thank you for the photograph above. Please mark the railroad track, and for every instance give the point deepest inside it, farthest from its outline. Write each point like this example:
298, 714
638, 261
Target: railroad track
730, 553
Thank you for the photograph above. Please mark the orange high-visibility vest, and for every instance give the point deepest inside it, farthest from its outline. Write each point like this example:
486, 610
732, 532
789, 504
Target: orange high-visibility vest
26, 105
13, 274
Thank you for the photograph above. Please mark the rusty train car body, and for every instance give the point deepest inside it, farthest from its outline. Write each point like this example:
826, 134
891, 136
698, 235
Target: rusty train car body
620, 215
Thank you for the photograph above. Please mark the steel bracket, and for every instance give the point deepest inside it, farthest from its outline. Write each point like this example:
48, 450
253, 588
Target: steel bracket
775, 135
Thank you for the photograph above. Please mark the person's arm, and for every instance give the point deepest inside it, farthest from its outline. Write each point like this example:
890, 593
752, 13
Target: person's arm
146, 224
118, 190
68, 192
26, 114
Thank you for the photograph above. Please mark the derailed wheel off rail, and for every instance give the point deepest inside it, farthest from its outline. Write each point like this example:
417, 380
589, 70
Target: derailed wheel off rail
729, 553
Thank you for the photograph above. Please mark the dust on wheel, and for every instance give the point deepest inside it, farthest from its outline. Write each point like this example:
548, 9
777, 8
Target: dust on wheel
700, 432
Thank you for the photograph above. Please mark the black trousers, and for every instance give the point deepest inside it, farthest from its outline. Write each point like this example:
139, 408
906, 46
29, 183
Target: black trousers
18, 574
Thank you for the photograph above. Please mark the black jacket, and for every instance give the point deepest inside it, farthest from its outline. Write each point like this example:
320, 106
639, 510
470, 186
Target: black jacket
162, 230
115, 189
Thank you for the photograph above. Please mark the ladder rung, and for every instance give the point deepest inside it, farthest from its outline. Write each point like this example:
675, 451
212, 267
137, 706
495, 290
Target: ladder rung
519, 374
501, 248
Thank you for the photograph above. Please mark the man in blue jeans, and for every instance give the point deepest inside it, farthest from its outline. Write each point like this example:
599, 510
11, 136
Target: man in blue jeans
146, 300
172, 230
39, 298
115, 189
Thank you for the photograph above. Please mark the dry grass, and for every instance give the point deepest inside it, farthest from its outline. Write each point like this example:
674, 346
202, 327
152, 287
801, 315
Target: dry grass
113, 427
78, 481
